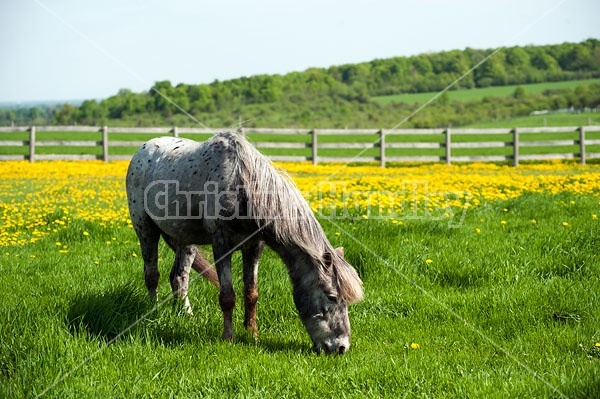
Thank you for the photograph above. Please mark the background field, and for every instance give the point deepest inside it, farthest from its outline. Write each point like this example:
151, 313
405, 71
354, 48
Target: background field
504, 306
479, 94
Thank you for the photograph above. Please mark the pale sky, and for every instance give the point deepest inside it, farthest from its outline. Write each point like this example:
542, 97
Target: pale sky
75, 49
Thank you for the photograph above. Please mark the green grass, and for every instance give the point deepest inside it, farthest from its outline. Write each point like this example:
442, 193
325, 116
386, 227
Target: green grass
493, 312
548, 120
479, 93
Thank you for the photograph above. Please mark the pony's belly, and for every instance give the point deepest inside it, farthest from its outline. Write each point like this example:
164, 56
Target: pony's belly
186, 232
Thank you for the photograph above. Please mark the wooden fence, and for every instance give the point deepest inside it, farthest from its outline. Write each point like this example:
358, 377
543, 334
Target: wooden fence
324, 145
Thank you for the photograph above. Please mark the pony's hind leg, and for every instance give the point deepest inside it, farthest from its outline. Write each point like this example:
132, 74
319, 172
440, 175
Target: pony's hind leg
200, 264
180, 275
250, 256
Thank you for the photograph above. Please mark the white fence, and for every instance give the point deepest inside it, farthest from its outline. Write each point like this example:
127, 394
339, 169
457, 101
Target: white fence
323, 145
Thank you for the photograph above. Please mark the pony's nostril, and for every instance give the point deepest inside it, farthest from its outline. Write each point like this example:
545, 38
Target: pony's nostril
341, 349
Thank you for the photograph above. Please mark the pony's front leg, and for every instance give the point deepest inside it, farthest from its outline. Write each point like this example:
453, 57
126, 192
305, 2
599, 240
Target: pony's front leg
222, 255
180, 275
250, 256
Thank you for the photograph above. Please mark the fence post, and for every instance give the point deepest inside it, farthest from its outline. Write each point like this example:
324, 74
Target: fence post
448, 144
382, 148
105, 143
175, 131
515, 147
582, 144
31, 144
314, 147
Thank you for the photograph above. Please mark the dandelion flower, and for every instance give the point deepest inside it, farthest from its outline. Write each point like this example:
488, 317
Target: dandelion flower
477, 230
595, 217
428, 261
414, 345
565, 224
533, 221
503, 222
85, 233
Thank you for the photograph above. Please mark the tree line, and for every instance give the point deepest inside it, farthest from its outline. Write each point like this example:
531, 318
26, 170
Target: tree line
340, 95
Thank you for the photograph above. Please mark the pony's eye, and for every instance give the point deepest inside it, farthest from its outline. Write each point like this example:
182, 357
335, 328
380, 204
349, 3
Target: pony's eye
332, 298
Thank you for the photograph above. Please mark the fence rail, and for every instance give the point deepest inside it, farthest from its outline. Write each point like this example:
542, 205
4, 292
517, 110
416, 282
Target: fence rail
323, 145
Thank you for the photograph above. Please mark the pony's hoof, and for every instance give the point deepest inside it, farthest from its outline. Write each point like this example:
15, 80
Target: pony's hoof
153, 295
254, 332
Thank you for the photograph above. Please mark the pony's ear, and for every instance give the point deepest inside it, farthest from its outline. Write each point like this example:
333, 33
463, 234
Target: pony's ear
340, 251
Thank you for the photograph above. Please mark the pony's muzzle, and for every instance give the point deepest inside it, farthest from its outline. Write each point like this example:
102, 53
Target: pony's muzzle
330, 346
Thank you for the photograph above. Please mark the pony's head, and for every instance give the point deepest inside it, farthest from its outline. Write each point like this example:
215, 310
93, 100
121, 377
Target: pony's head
324, 309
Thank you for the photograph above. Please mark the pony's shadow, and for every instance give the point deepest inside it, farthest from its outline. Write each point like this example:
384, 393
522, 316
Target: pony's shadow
125, 311
277, 345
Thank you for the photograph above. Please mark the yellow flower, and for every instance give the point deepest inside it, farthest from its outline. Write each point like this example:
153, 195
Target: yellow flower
533, 221
565, 224
94, 191
503, 222
414, 345
597, 345
428, 261
477, 230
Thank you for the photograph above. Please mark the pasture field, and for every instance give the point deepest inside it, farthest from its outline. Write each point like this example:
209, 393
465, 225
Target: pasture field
478, 94
480, 281
544, 120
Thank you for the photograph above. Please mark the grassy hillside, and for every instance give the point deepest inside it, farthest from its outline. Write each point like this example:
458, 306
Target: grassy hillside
478, 94
544, 120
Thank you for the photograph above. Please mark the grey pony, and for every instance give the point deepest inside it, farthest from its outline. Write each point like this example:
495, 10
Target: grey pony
223, 192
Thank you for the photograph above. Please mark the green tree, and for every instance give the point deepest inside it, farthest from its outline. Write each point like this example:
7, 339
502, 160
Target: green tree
491, 72
520, 92
66, 115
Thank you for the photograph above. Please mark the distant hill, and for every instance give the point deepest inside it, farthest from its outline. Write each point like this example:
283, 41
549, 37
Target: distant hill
39, 103
340, 96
